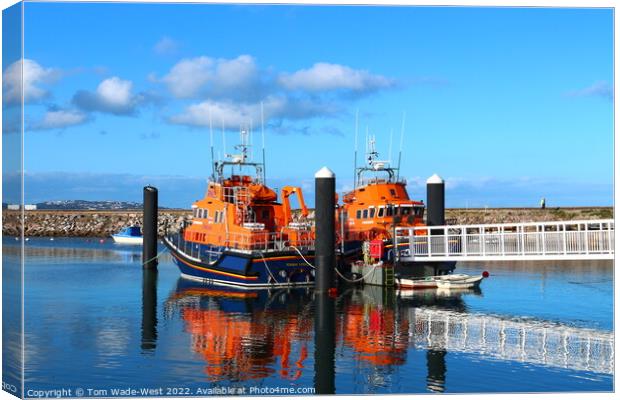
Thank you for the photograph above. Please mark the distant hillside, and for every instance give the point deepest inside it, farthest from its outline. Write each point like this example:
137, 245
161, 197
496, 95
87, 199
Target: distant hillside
89, 205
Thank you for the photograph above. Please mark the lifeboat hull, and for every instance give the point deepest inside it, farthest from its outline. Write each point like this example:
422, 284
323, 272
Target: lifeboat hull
247, 269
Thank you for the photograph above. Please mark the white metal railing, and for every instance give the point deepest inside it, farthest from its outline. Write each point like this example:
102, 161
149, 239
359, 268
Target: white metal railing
532, 341
590, 239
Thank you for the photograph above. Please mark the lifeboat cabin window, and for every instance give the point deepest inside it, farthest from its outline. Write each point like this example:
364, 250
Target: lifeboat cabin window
393, 192
358, 214
405, 210
195, 212
419, 211
372, 213
365, 214
389, 211
381, 211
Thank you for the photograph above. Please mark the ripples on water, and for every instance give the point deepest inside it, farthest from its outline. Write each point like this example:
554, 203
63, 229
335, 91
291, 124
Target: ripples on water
94, 319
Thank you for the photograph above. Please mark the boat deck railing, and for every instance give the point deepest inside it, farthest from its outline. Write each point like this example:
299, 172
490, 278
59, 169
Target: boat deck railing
247, 243
570, 240
362, 181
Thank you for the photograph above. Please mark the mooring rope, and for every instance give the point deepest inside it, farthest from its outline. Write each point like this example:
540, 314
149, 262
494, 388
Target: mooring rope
156, 256
303, 258
267, 266
374, 266
336, 268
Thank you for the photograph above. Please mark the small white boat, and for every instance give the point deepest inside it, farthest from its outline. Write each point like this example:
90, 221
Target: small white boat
128, 235
454, 281
458, 281
422, 283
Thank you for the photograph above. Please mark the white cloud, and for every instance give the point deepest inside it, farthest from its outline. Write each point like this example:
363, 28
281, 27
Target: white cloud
234, 115
113, 95
232, 89
57, 119
34, 75
115, 92
230, 114
187, 77
205, 76
597, 89
166, 45
326, 77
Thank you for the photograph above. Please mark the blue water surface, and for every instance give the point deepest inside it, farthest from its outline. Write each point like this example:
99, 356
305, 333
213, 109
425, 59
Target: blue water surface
95, 321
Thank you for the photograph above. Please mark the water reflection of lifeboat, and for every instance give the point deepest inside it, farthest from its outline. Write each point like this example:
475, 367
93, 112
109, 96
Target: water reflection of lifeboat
243, 334
376, 335
240, 235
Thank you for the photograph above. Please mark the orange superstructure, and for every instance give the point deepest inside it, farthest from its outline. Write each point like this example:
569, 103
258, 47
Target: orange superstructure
378, 202
240, 211
240, 234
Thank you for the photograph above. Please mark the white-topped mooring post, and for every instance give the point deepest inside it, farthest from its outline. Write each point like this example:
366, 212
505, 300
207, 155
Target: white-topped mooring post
325, 263
149, 228
435, 201
325, 242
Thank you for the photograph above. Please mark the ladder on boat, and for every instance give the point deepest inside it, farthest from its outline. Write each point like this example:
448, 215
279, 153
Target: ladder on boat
388, 277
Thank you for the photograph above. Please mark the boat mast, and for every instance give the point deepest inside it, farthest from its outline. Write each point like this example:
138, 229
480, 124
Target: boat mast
212, 151
400, 152
355, 151
262, 124
390, 152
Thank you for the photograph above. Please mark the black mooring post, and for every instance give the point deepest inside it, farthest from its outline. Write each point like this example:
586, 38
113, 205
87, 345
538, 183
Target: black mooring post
435, 201
149, 228
324, 344
149, 310
325, 242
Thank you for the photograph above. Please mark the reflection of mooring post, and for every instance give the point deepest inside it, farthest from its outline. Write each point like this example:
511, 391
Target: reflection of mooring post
436, 364
324, 344
149, 309
149, 228
325, 243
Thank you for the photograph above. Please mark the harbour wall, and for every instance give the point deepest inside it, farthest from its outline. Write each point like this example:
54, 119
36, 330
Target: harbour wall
82, 223
99, 223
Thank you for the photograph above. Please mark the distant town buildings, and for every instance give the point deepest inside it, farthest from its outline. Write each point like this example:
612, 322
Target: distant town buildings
27, 207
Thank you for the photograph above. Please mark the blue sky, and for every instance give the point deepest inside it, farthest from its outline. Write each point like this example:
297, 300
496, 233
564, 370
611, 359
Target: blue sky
507, 104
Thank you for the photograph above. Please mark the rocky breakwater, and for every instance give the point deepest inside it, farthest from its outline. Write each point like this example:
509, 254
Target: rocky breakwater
104, 223
461, 216
85, 223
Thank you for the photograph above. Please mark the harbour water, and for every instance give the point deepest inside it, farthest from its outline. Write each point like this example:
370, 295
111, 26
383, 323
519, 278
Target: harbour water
95, 321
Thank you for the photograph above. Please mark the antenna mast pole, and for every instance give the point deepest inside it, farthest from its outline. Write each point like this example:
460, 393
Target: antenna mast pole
223, 139
391, 139
355, 152
251, 140
402, 133
262, 127
211, 136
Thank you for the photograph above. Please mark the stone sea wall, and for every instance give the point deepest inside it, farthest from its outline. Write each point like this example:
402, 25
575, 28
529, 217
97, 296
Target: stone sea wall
84, 223
105, 223
461, 216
